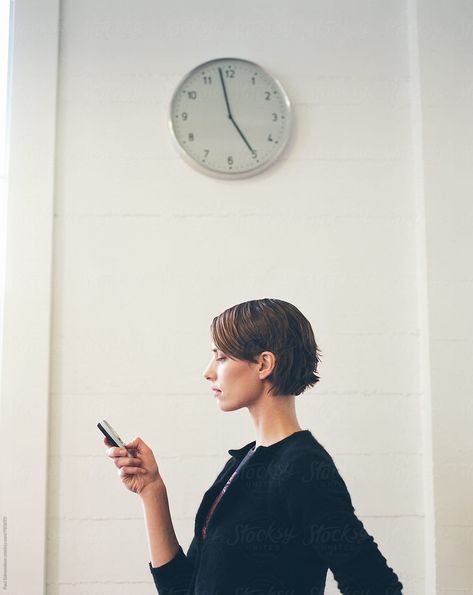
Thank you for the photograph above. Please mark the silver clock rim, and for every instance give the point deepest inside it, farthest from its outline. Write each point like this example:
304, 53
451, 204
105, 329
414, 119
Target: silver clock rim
232, 175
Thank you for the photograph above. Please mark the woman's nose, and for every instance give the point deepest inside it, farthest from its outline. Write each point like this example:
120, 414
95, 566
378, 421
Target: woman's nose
207, 373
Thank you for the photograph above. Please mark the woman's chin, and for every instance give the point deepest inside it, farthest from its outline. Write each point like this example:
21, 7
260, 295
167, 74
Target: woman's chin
224, 405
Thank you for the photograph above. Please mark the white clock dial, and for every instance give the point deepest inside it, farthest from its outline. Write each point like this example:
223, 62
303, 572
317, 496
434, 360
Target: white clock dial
230, 118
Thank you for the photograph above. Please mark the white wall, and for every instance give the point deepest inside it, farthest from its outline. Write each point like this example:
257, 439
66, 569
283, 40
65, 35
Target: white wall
147, 251
446, 75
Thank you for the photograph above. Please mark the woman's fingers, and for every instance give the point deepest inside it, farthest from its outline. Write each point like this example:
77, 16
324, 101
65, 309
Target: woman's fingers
115, 451
127, 462
122, 471
120, 459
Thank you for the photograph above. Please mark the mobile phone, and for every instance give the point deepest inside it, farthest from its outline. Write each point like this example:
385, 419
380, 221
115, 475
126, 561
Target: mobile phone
112, 436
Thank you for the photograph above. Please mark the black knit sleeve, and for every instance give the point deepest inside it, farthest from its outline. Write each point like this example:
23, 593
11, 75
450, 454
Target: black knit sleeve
174, 577
319, 505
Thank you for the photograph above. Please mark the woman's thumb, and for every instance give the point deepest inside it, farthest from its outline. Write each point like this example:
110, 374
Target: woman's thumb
137, 443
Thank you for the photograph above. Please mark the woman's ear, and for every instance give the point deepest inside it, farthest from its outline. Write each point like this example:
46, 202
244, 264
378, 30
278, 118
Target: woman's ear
267, 362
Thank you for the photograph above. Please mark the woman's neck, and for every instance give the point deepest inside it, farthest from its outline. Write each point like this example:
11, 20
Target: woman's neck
274, 417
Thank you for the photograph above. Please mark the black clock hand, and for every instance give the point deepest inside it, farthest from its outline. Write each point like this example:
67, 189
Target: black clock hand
225, 93
241, 134
230, 113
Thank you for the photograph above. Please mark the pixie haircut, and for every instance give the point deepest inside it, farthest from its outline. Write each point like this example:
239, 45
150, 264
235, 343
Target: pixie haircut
247, 329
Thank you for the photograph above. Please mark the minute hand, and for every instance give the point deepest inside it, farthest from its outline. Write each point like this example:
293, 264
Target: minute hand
230, 116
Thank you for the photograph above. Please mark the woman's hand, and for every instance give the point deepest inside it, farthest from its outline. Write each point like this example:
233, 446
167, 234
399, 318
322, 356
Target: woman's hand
139, 471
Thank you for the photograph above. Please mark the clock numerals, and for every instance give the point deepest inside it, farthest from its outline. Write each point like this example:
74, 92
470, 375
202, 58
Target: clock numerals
270, 138
230, 160
274, 117
267, 95
230, 73
191, 136
254, 154
192, 94
184, 116
206, 151
207, 80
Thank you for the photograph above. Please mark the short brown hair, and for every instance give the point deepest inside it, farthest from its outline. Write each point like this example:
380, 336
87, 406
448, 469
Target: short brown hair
247, 329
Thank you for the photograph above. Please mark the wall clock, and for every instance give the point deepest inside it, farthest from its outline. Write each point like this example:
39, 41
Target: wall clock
230, 118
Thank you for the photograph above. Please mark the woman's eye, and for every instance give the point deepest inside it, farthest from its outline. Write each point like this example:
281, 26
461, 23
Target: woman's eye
219, 359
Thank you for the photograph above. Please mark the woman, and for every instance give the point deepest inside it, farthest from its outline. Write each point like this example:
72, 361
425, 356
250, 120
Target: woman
279, 514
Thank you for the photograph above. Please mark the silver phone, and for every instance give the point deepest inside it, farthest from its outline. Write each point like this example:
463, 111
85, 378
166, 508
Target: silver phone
112, 435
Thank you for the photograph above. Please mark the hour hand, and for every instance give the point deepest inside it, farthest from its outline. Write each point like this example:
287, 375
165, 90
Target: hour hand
241, 134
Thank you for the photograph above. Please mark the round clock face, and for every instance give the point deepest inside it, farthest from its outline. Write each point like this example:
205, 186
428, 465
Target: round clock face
230, 118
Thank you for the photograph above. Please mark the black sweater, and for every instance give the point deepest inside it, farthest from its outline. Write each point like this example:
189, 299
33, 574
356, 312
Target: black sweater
284, 520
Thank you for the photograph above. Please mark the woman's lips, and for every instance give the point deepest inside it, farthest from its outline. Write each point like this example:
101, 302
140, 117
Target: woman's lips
216, 391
